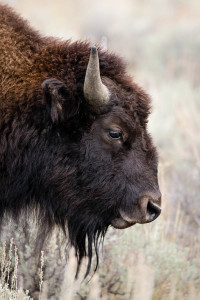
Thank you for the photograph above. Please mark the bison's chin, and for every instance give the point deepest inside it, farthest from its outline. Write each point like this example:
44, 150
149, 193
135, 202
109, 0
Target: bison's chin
120, 223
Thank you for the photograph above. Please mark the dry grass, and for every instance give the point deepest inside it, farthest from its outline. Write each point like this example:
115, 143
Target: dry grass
148, 266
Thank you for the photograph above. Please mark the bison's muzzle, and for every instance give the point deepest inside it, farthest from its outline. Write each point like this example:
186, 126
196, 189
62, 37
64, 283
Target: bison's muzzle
145, 210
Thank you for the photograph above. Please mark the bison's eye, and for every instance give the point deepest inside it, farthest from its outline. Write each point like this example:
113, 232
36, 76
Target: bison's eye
115, 134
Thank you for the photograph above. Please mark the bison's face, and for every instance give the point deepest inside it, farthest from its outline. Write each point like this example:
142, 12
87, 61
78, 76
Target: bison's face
118, 171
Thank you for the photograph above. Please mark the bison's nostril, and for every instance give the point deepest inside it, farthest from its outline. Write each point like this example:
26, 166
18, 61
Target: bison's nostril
153, 211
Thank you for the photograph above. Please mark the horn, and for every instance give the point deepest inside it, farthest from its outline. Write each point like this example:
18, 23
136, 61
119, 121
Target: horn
95, 92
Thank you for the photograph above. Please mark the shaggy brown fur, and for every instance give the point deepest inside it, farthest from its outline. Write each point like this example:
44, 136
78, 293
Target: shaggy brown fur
27, 59
55, 151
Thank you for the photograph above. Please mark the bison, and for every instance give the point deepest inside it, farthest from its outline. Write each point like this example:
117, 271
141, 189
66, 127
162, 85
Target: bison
74, 145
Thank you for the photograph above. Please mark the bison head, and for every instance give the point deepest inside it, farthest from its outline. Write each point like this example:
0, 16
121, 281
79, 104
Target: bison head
101, 167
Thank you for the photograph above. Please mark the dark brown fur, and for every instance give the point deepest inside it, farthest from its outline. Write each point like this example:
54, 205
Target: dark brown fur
54, 155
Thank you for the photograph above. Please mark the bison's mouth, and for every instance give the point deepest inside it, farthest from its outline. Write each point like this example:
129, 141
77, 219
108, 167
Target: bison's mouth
120, 223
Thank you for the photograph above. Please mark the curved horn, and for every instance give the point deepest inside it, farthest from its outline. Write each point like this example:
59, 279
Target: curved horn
95, 92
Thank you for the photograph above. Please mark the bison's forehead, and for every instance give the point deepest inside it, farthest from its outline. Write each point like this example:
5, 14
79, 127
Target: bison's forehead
138, 105
128, 101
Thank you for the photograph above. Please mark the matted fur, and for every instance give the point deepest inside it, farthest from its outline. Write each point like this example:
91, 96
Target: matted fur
53, 154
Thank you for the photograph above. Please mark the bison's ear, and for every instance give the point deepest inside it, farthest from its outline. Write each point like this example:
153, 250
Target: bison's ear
57, 98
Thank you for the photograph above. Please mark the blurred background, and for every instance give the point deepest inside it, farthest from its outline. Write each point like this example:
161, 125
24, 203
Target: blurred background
160, 42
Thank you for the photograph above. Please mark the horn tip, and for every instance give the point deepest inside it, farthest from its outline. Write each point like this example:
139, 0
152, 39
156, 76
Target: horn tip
93, 49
